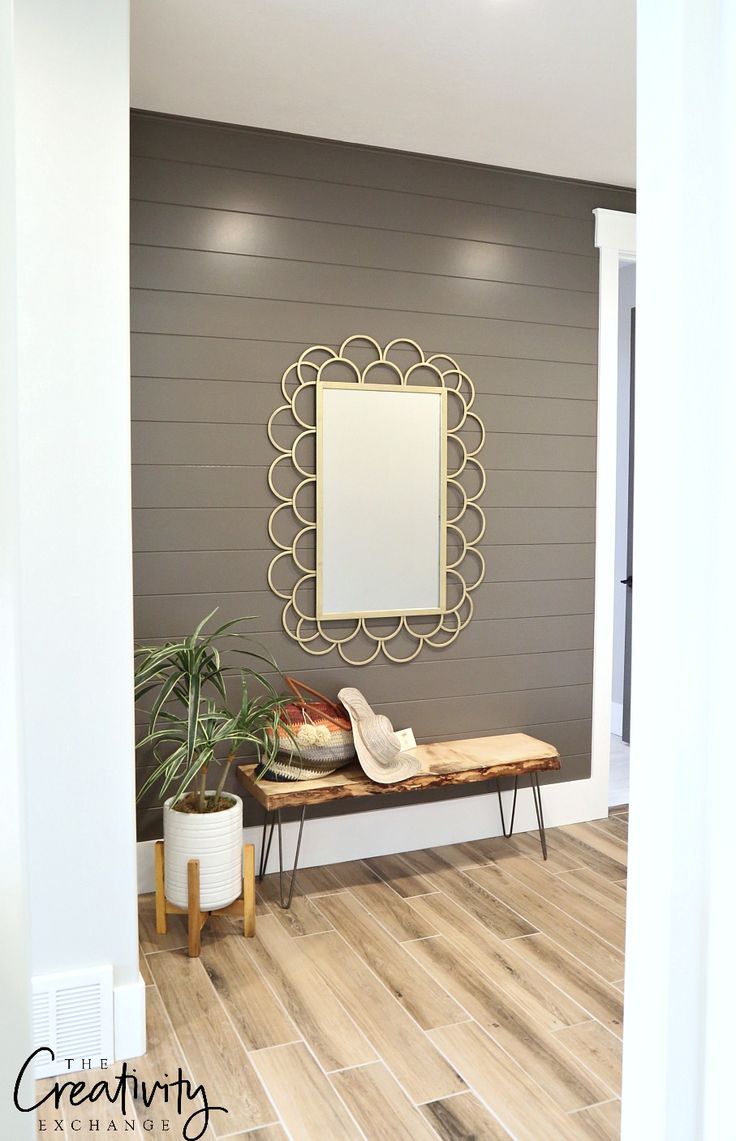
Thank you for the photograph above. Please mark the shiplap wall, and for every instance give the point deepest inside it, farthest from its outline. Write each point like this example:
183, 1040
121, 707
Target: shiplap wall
247, 247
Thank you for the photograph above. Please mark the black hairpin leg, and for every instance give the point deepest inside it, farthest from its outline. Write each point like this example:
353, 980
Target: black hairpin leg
537, 794
265, 847
513, 807
284, 897
292, 882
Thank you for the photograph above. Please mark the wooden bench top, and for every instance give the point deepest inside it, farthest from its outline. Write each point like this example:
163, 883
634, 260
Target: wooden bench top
445, 763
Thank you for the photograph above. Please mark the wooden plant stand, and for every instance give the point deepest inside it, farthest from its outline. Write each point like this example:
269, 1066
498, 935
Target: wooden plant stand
244, 905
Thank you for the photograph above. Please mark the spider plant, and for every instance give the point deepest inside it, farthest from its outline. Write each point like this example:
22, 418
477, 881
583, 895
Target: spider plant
190, 727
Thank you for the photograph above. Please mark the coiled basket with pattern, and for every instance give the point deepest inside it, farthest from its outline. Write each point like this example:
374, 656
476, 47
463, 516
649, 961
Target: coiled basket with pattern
315, 737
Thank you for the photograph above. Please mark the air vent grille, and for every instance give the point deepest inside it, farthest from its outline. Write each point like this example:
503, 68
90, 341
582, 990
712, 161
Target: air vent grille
72, 1015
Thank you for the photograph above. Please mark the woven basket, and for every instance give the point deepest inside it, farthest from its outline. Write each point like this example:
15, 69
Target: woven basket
315, 739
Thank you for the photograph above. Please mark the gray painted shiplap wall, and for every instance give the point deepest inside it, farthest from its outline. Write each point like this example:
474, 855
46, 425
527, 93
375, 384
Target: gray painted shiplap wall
248, 247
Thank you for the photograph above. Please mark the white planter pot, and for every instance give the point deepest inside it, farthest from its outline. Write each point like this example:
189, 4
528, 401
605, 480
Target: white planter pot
213, 838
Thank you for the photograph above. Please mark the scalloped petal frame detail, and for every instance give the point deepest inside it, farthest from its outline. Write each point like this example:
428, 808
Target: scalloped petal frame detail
300, 621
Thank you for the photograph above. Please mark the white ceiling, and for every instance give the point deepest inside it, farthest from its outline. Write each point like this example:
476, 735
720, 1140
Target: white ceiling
541, 85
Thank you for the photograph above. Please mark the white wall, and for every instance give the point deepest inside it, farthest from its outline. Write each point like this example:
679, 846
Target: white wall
15, 1037
73, 486
626, 301
680, 982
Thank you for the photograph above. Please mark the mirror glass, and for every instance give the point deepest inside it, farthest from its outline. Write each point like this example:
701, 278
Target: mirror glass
381, 500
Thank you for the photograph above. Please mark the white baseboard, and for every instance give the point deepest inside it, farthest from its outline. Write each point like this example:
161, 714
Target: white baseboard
617, 718
146, 877
129, 1019
401, 828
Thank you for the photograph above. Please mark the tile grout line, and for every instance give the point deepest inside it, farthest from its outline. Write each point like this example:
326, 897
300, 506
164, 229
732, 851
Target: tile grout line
585, 1108
598, 1078
597, 853
463, 955
498, 901
164, 950
236, 1032
601, 901
475, 1091
334, 1089
584, 966
184, 1053
596, 845
381, 1062
335, 996
543, 1029
470, 1017
554, 907
388, 989
322, 1068
374, 921
569, 914
447, 1096
399, 856
393, 997
253, 1131
272, 990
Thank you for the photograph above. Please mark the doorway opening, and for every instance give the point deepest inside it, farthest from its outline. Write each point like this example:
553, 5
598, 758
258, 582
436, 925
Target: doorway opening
615, 237
618, 789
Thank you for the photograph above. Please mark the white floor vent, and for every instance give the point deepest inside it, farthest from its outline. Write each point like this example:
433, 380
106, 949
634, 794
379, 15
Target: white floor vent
72, 1015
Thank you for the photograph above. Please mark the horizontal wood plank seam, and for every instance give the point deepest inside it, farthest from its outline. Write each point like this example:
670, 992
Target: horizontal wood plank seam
269, 380
264, 550
361, 265
264, 467
587, 365
581, 221
366, 308
225, 593
316, 669
278, 341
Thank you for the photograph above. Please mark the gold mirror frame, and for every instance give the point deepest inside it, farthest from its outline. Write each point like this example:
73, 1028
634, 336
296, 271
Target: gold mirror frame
299, 620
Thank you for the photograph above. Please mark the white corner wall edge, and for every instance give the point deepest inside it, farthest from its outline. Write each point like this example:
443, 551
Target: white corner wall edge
129, 1019
680, 991
71, 72
617, 718
15, 1040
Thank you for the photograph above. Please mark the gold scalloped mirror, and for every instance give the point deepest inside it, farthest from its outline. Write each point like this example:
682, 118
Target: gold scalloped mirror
378, 481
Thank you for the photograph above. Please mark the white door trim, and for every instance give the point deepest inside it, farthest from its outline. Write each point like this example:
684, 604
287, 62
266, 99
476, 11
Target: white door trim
615, 237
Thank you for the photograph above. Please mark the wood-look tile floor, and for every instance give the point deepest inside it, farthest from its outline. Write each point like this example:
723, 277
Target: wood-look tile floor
464, 992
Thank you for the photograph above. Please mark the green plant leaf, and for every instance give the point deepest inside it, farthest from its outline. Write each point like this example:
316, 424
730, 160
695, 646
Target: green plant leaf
218, 633
164, 694
191, 641
187, 728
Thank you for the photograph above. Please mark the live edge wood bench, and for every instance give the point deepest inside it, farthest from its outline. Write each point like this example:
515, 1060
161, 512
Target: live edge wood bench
445, 764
